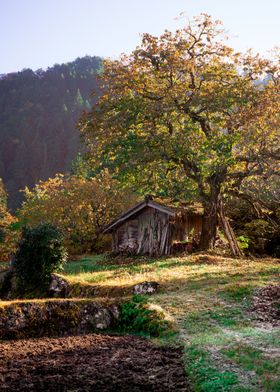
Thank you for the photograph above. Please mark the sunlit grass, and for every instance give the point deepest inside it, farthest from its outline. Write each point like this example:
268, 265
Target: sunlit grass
208, 298
184, 270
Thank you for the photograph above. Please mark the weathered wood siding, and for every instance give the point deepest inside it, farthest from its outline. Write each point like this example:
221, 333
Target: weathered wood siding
185, 227
125, 237
153, 232
148, 233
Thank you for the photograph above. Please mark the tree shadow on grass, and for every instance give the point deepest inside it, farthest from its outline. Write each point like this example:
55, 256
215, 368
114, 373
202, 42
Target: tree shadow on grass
137, 264
233, 286
213, 280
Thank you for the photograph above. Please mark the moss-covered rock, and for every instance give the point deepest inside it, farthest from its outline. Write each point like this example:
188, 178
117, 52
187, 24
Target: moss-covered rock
55, 318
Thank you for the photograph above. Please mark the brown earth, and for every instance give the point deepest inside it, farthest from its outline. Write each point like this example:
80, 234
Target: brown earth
90, 363
266, 304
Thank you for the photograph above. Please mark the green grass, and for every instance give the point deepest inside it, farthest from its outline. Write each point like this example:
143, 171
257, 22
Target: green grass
232, 361
84, 265
237, 293
253, 359
206, 377
208, 300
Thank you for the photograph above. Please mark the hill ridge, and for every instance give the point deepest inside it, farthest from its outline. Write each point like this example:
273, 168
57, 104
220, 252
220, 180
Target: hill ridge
38, 115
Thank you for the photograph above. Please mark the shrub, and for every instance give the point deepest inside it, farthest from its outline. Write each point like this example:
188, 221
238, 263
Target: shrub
40, 253
244, 242
136, 317
258, 231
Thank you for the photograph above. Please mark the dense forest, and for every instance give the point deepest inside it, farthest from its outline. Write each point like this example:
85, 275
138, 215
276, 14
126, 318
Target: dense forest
38, 115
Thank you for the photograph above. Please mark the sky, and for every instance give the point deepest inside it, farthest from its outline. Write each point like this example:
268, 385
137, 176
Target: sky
39, 33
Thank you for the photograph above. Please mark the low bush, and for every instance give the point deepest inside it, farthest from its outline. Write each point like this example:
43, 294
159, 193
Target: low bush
40, 253
137, 317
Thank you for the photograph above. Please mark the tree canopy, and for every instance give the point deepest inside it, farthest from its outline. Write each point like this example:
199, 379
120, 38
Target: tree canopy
185, 115
80, 207
7, 236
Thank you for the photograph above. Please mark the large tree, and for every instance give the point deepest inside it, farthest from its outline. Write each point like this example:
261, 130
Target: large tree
185, 112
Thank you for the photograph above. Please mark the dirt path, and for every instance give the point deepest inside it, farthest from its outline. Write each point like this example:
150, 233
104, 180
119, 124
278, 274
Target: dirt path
90, 363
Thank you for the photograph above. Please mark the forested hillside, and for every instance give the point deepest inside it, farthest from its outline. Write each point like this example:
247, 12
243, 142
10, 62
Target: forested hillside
38, 115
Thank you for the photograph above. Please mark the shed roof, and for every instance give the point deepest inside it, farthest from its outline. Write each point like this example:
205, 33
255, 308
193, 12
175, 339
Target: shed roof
134, 210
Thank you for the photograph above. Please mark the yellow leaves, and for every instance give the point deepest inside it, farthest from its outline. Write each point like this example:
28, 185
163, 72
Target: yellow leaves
76, 205
7, 237
183, 96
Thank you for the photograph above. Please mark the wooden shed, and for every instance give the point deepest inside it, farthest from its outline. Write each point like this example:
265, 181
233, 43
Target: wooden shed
155, 229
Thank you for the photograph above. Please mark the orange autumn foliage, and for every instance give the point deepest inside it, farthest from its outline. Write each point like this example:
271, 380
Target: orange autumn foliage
8, 237
79, 207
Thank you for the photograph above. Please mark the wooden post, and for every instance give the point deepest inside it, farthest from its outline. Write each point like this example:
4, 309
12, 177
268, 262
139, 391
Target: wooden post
227, 229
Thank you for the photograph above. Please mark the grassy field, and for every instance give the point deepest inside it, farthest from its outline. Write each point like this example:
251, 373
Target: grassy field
208, 299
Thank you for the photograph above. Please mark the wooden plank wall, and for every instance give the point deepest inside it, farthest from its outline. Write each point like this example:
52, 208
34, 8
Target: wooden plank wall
153, 232
125, 237
186, 226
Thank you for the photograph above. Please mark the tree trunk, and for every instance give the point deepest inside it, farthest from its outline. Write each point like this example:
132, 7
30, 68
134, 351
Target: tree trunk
209, 223
213, 215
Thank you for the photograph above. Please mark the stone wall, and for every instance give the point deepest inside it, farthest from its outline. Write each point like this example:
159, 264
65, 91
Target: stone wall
22, 319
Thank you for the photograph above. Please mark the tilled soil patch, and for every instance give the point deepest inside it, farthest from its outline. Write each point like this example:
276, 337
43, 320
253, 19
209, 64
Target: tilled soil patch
90, 363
